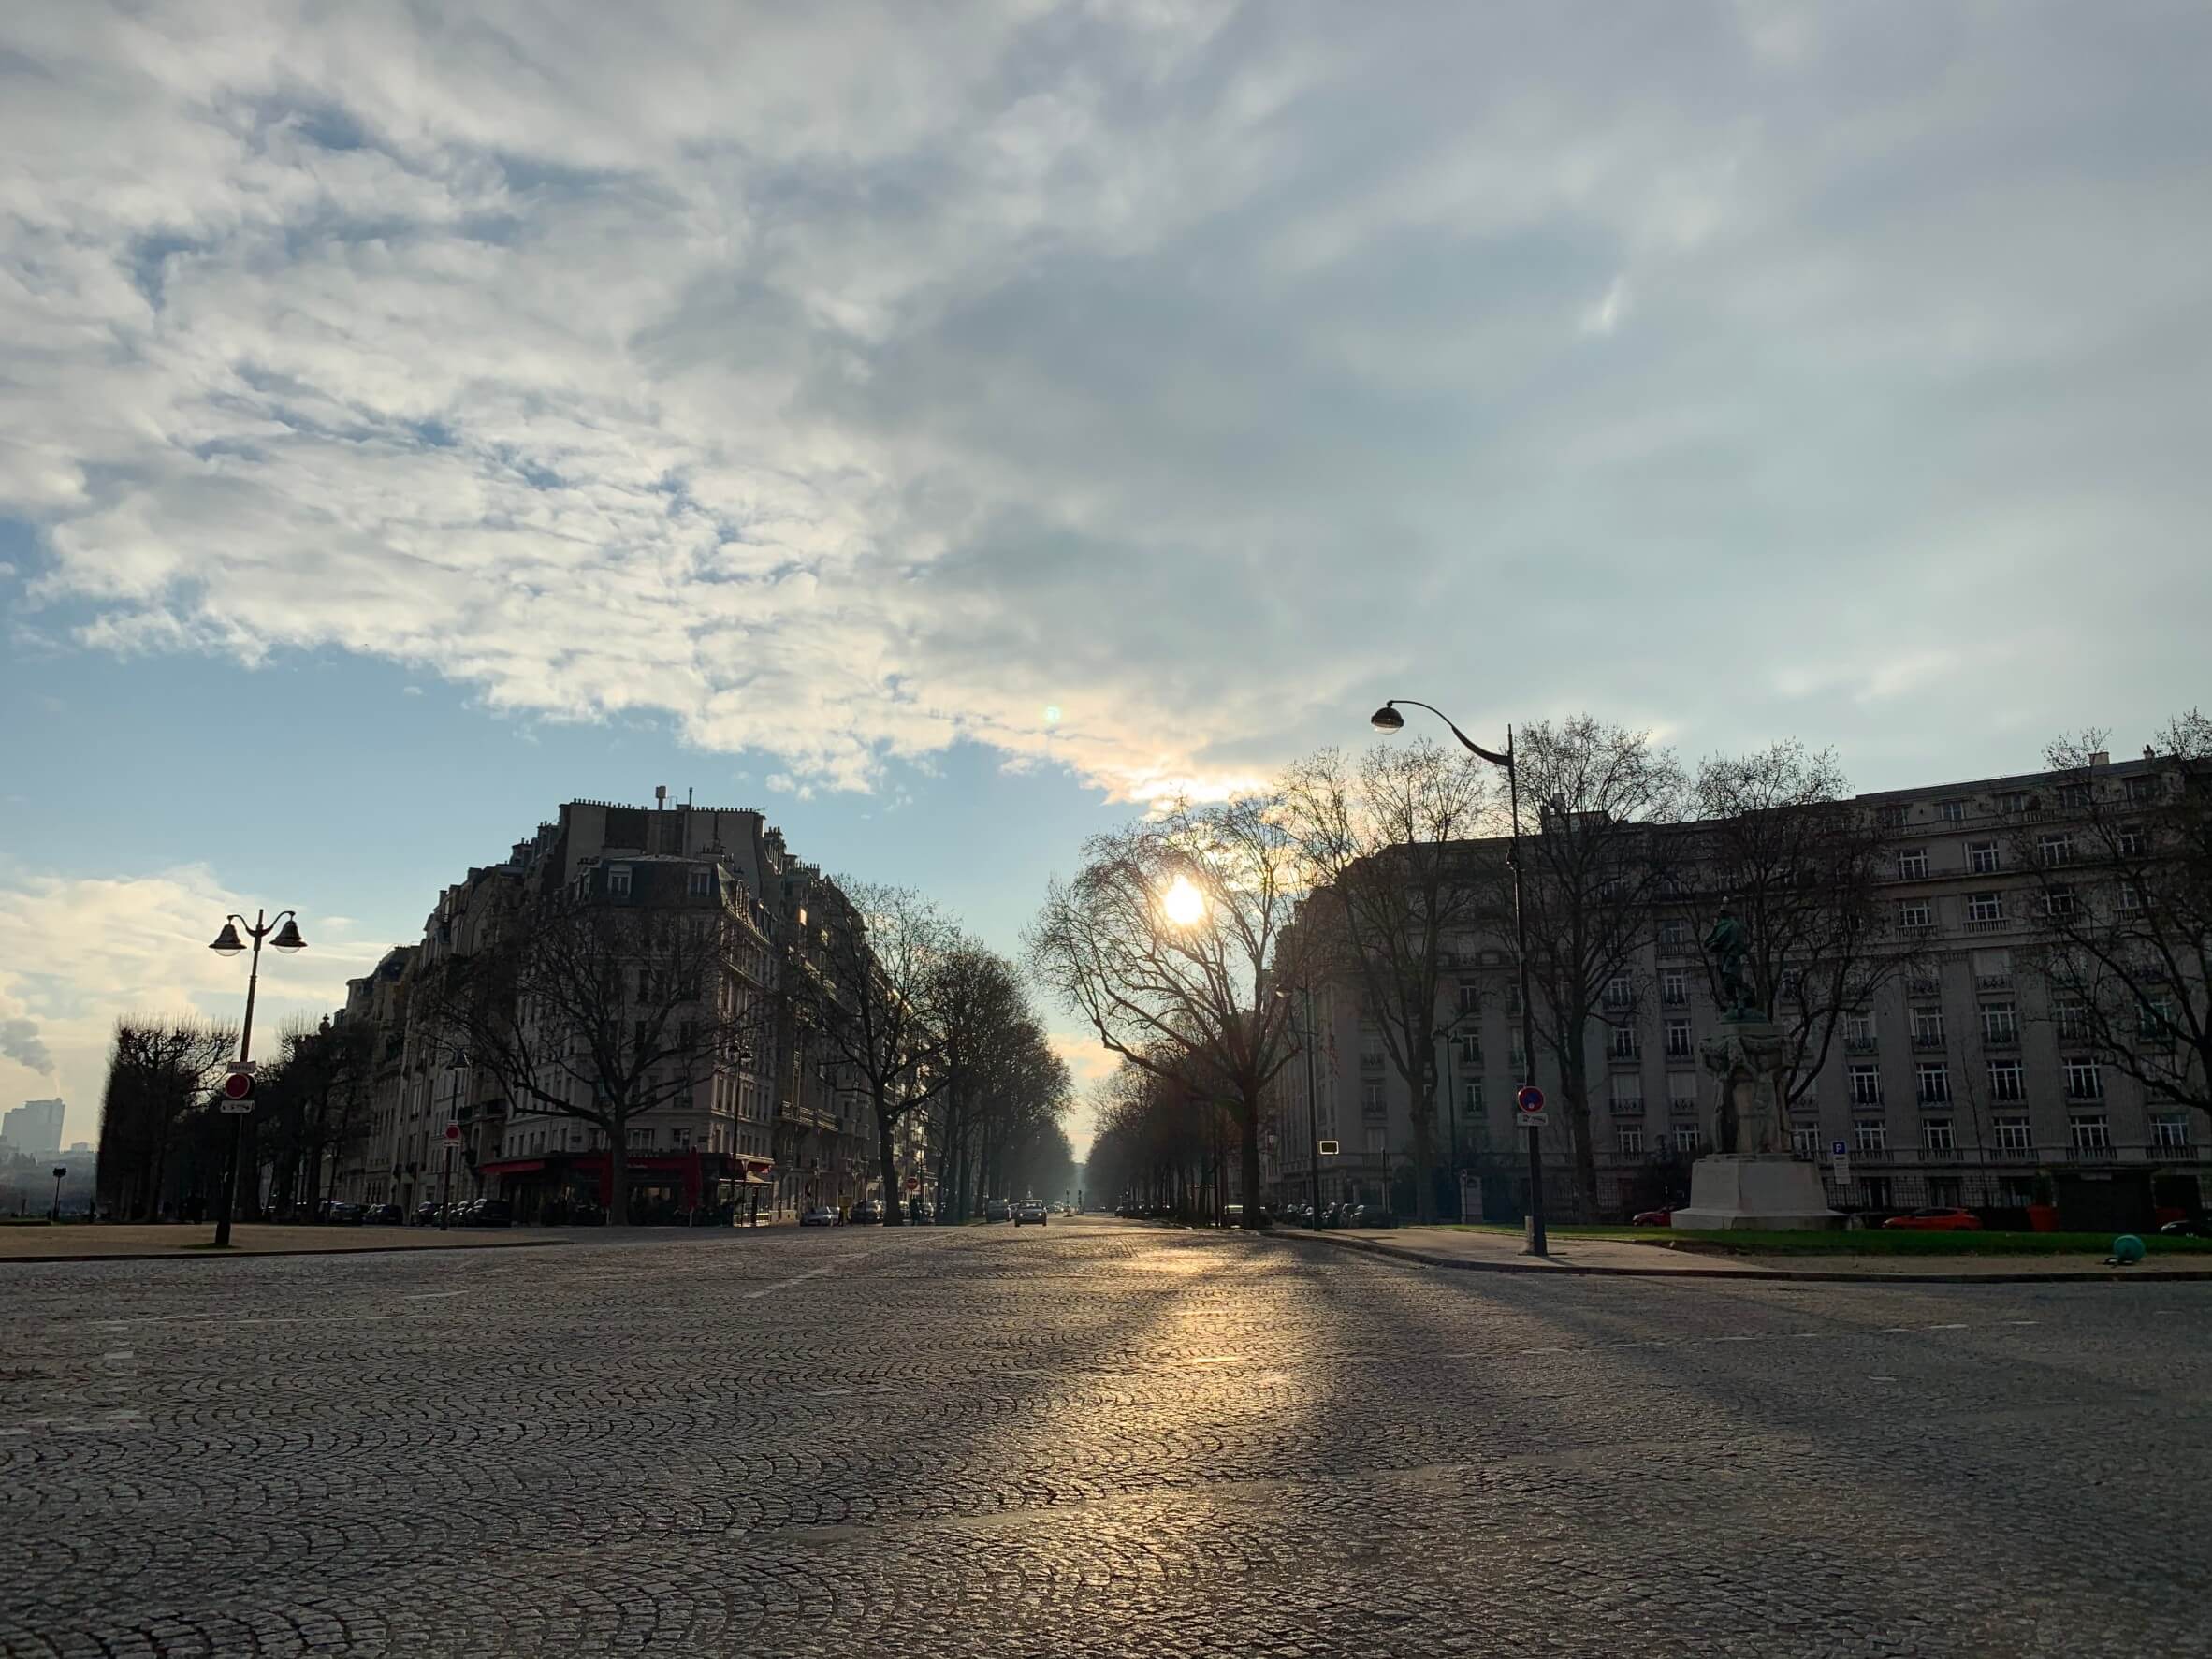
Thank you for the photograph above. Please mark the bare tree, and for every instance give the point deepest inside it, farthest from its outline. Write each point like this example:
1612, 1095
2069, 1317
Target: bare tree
1780, 838
864, 978
596, 1010
312, 1102
1168, 942
159, 1072
1593, 873
1384, 841
2122, 874
1006, 1090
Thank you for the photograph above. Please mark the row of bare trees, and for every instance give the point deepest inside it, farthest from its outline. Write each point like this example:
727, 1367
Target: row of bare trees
1372, 872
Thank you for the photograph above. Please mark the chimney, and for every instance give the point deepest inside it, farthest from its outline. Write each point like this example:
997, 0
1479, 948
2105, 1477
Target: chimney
2102, 758
2149, 753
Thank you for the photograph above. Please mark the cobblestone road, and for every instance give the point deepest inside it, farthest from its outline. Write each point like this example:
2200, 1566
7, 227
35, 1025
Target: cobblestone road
1095, 1438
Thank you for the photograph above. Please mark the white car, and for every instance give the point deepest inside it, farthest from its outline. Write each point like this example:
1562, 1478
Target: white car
1031, 1210
817, 1216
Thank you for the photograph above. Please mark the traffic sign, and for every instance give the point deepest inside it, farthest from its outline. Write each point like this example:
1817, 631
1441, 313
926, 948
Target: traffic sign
1533, 1120
452, 1133
1530, 1098
235, 1108
238, 1083
1837, 1149
1326, 1148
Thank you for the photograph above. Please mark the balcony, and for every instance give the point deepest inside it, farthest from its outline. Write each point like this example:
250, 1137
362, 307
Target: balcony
1993, 981
2000, 1039
1619, 1005
1372, 1065
1939, 1155
1684, 1105
1624, 1056
1935, 1102
1986, 924
1859, 1045
1627, 1105
1928, 1042
1924, 985
1918, 931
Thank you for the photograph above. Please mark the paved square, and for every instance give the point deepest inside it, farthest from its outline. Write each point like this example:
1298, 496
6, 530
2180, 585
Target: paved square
1096, 1438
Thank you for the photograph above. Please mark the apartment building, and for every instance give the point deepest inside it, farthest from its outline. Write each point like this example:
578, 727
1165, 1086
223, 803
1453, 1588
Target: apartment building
1962, 1079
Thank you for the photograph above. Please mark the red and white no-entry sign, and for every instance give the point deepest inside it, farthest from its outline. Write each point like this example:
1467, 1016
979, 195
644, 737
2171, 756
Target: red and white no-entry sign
1529, 1101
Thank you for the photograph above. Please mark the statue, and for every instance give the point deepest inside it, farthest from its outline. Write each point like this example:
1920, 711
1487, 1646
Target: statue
1729, 942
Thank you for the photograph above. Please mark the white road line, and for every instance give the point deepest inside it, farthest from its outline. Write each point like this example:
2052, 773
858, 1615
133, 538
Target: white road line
430, 1295
787, 1284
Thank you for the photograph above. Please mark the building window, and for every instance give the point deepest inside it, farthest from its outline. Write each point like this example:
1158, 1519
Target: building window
2171, 1131
1682, 1105
1630, 1141
2013, 800
1674, 987
1678, 1039
1935, 1135
1933, 1082
1915, 913
1986, 907
2073, 1021
2155, 1022
2092, 1134
1470, 998
1378, 1143
701, 883
1685, 1138
1617, 994
1952, 812
1805, 1139
618, 880
2142, 789
1673, 931
2013, 1135
2057, 901
1371, 1097
1928, 1024
2000, 1023
1865, 1086
2085, 1080
1869, 1134
1858, 1030
1894, 817
1471, 1098
1471, 1050
1624, 1042
2056, 848
1980, 858
1912, 866
2131, 896
2127, 843
2007, 1081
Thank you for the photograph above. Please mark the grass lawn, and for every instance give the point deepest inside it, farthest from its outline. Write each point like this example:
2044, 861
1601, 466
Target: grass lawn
1873, 1242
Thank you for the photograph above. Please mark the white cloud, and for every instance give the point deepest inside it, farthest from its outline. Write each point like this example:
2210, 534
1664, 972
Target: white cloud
844, 385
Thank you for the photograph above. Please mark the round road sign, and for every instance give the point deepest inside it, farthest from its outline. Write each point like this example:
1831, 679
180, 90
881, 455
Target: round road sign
237, 1085
1530, 1097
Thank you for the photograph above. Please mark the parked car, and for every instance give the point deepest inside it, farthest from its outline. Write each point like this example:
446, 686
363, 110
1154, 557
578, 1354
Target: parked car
384, 1215
921, 1213
868, 1213
1374, 1216
1652, 1217
817, 1216
996, 1210
487, 1212
340, 1215
425, 1214
2186, 1229
1030, 1210
1941, 1219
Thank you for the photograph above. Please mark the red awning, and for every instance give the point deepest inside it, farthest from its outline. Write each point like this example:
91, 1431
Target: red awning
518, 1165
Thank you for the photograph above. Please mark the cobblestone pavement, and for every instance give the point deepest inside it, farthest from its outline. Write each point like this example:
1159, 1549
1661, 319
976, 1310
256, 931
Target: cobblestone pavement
1093, 1438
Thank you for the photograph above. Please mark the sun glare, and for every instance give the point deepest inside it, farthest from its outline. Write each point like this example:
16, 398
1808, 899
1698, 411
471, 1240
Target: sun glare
1184, 903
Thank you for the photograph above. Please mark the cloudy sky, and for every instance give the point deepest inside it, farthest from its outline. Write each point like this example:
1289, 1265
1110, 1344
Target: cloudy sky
412, 415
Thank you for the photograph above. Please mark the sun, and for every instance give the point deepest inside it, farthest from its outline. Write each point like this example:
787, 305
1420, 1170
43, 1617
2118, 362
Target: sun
1184, 903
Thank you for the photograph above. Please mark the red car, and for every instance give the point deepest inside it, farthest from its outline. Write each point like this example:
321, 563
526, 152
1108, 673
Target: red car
1652, 1219
1947, 1220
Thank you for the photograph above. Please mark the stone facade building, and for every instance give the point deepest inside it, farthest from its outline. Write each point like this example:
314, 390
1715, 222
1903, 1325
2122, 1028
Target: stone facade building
768, 1125
1963, 1080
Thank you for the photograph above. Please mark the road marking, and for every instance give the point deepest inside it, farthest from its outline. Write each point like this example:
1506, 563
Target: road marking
1946, 1327
430, 1295
787, 1284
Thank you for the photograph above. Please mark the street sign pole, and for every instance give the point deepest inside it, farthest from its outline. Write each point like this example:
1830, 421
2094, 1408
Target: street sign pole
445, 1185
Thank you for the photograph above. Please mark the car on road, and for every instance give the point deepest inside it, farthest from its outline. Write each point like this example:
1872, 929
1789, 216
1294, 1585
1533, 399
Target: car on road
1943, 1219
817, 1216
1652, 1219
384, 1215
996, 1210
1030, 1210
338, 1214
485, 1212
868, 1213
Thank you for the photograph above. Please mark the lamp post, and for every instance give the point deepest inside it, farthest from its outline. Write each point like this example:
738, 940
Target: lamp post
1313, 1104
59, 1170
1388, 718
227, 943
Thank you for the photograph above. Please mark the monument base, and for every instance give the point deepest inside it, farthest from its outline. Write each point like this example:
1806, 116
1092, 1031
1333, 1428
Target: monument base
1764, 1192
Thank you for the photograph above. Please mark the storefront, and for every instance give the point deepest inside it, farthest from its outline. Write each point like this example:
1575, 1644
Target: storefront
570, 1188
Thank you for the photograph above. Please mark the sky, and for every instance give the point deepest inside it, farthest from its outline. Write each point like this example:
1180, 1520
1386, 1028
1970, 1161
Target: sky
951, 427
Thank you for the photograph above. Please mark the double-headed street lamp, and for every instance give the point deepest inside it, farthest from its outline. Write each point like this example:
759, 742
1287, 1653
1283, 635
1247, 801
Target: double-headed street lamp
227, 943
1388, 718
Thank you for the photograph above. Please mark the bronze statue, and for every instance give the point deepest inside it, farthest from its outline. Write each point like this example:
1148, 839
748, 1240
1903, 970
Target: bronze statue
1728, 942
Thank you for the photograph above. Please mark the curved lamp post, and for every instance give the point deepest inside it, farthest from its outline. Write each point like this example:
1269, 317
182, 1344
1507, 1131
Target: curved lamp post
1388, 718
227, 943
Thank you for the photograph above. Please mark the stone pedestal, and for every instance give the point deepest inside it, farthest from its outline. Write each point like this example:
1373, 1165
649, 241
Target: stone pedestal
1762, 1192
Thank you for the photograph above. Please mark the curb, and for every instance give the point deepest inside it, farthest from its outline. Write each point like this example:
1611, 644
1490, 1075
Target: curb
272, 1254
1754, 1275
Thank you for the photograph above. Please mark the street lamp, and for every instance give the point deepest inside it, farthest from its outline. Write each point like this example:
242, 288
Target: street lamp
59, 1170
1313, 1104
1388, 718
227, 943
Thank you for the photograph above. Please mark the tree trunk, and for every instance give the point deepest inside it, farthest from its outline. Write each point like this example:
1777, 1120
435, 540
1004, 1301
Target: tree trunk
1248, 1157
1424, 1157
618, 1168
894, 1210
1577, 1093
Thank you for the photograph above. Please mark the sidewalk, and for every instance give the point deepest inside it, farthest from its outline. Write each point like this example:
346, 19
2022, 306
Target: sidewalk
128, 1241
1491, 1252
